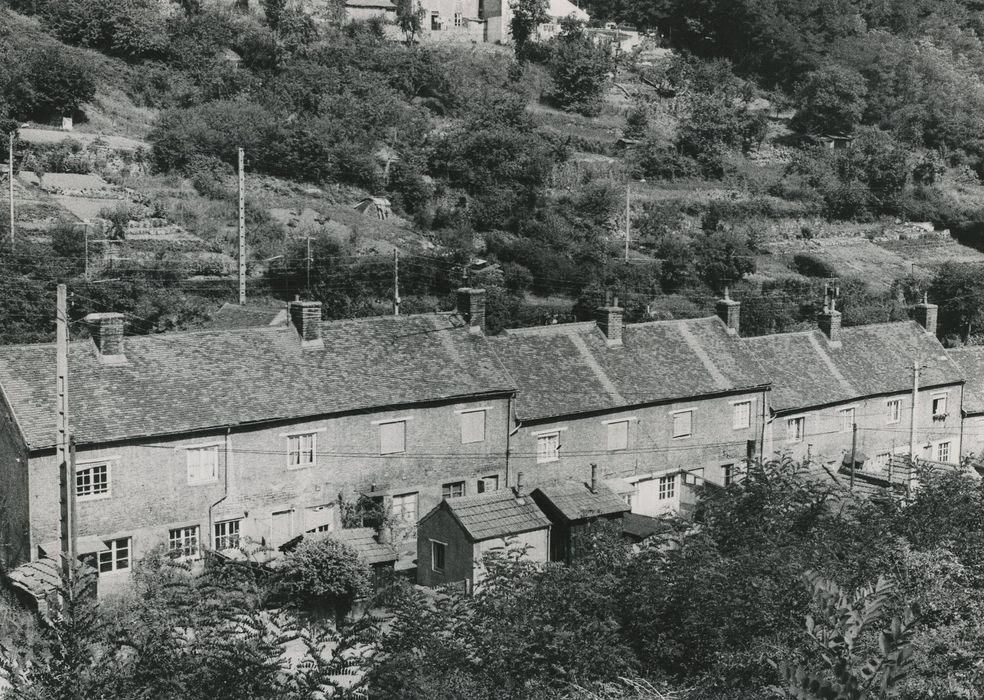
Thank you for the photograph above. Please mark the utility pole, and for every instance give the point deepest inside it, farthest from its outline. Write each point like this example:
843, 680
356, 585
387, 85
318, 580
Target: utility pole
242, 230
912, 425
308, 267
65, 448
10, 176
854, 450
628, 217
396, 283
85, 232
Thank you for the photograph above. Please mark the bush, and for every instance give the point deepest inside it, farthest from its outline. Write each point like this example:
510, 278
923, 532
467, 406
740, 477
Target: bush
52, 81
324, 571
812, 265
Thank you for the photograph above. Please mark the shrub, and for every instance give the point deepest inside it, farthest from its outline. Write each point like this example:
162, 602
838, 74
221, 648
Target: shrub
812, 265
324, 571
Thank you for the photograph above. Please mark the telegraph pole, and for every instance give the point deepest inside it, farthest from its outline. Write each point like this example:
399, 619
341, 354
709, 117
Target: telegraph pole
628, 217
308, 267
242, 231
854, 450
10, 173
396, 283
65, 447
912, 426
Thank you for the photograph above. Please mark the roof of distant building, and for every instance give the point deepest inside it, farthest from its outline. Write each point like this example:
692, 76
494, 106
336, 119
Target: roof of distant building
363, 541
496, 514
181, 382
642, 526
38, 578
569, 368
381, 4
807, 370
578, 502
971, 361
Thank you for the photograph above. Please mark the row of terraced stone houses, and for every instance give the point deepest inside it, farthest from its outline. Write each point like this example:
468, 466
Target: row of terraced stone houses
202, 439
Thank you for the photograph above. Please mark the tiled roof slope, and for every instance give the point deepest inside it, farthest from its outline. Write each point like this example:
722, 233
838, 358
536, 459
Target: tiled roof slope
577, 502
180, 382
496, 514
567, 369
971, 361
232, 316
363, 541
806, 370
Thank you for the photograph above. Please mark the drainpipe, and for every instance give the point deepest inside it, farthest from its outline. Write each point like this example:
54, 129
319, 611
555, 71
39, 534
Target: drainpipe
510, 431
765, 394
225, 481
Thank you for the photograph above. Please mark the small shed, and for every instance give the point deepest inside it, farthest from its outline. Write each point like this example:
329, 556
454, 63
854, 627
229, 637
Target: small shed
572, 509
454, 536
373, 548
378, 207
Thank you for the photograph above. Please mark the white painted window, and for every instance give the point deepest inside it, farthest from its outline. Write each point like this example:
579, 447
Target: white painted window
393, 437
894, 410
667, 487
472, 426
435, 21
727, 474
183, 542
742, 415
488, 483
203, 464
458, 19
455, 489
438, 556
405, 508
116, 556
92, 481
226, 534
618, 435
943, 452
302, 450
683, 424
939, 405
547, 447
795, 429
847, 419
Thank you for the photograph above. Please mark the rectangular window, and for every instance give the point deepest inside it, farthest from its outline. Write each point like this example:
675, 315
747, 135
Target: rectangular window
183, 542
618, 435
939, 406
203, 464
456, 489
847, 420
894, 410
227, 534
92, 480
393, 437
795, 429
438, 553
943, 452
457, 19
116, 556
547, 448
488, 483
667, 487
683, 424
472, 427
435, 21
301, 450
743, 415
405, 508
727, 474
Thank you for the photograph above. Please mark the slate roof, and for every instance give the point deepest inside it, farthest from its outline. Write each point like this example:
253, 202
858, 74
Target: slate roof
232, 316
971, 361
568, 368
180, 382
807, 370
363, 541
496, 514
577, 502
38, 578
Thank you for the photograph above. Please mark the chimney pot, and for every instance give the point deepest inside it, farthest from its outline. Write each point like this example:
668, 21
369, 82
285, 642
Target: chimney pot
729, 311
306, 318
106, 330
471, 306
926, 315
609, 320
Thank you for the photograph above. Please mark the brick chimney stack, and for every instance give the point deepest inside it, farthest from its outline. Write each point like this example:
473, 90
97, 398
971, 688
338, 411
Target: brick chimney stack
830, 319
729, 311
471, 306
609, 320
926, 315
305, 316
106, 330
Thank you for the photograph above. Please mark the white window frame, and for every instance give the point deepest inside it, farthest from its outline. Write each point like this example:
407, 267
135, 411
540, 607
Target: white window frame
111, 555
734, 415
894, 411
483, 482
549, 454
729, 470
215, 446
401, 516
485, 424
299, 436
89, 465
939, 397
390, 421
843, 413
226, 534
938, 451
433, 567
666, 487
609, 424
673, 417
449, 485
790, 433
181, 552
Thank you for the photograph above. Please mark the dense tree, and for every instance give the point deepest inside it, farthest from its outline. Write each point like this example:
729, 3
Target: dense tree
527, 15
410, 18
830, 101
959, 290
579, 70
